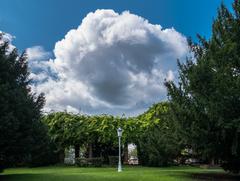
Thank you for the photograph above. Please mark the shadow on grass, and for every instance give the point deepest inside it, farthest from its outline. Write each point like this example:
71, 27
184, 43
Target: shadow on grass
215, 176
24, 177
179, 175
55, 177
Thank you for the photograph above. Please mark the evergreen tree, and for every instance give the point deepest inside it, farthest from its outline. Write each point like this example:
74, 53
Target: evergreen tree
206, 102
157, 140
21, 131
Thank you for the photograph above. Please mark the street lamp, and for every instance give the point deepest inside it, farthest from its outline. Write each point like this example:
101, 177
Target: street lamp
119, 131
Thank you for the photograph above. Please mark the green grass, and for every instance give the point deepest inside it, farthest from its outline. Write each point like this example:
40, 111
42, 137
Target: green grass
62, 173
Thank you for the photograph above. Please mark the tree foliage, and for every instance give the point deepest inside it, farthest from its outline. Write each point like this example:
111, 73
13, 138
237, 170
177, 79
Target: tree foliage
97, 133
152, 132
22, 135
206, 102
157, 142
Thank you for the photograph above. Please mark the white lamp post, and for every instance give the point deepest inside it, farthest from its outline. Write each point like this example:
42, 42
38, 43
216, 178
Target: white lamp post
119, 131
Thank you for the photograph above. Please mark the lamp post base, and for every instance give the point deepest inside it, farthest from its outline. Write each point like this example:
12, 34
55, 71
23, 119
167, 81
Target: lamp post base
119, 169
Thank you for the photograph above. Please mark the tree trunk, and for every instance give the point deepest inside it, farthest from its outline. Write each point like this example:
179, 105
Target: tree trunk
77, 150
90, 150
125, 152
212, 162
61, 156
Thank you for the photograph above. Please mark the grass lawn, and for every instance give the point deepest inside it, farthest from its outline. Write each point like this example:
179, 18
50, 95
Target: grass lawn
63, 173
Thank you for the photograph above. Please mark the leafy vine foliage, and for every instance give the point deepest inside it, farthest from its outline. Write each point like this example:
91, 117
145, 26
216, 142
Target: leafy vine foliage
152, 132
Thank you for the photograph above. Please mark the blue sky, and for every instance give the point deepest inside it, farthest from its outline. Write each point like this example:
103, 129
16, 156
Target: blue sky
43, 22
102, 56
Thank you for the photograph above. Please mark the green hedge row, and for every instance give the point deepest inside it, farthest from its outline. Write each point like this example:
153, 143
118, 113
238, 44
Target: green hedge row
96, 162
113, 160
89, 162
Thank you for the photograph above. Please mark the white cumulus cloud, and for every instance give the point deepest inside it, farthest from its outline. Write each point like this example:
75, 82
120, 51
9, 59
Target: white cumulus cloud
112, 63
37, 53
38, 60
6, 37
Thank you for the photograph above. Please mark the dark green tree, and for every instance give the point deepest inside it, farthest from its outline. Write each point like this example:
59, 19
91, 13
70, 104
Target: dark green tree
206, 101
157, 140
21, 130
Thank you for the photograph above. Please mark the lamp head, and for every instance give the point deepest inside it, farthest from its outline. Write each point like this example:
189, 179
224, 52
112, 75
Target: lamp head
119, 131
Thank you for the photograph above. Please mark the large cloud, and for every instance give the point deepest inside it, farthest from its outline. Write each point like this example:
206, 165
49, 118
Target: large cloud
6, 37
40, 66
37, 53
112, 63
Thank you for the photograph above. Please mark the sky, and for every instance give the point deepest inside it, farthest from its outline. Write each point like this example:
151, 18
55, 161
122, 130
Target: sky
105, 56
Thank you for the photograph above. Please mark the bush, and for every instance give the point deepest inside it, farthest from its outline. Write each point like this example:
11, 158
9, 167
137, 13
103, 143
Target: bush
1, 166
113, 160
96, 162
1, 163
46, 152
232, 165
89, 162
157, 146
81, 162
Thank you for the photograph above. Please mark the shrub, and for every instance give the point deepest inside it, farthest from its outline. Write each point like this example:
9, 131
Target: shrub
113, 160
1, 166
232, 165
96, 162
81, 162
89, 162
